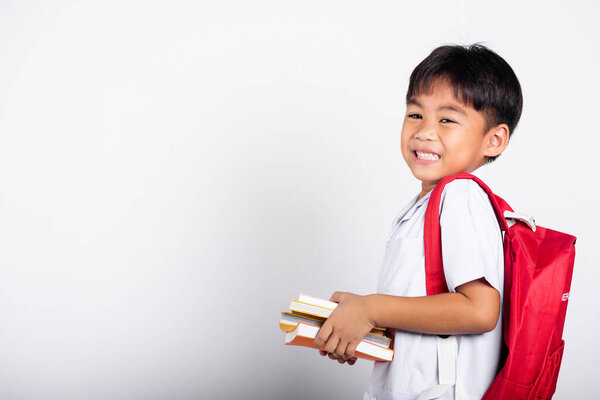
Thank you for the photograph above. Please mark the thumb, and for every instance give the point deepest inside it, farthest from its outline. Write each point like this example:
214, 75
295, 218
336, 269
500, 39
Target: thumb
337, 297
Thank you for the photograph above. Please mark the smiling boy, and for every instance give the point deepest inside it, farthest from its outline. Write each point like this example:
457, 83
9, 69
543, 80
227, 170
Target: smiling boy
455, 142
463, 103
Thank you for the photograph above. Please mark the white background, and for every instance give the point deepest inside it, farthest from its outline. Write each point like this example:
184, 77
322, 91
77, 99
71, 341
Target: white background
172, 173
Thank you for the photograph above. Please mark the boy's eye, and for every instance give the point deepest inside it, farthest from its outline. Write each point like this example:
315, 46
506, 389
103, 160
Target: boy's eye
419, 116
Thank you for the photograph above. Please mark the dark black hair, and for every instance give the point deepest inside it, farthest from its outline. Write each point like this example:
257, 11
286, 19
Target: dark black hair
480, 77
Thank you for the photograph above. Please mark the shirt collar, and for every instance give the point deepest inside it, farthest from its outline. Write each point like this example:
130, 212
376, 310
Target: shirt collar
411, 208
408, 211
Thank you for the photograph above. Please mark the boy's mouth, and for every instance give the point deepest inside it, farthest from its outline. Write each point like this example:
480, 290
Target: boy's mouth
422, 155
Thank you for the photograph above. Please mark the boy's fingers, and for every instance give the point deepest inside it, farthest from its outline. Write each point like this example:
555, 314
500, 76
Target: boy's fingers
322, 352
350, 350
340, 349
323, 335
352, 361
332, 343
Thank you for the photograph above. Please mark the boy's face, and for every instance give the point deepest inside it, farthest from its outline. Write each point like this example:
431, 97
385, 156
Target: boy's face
442, 136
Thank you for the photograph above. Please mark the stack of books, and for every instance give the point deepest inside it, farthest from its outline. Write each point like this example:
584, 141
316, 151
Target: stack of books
306, 316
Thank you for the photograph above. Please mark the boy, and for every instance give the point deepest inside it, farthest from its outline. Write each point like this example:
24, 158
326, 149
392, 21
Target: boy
462, 105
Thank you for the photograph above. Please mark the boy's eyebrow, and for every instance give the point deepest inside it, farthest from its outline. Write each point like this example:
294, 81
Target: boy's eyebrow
442, 107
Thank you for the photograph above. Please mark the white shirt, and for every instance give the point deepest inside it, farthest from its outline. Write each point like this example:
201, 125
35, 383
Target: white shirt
471, 249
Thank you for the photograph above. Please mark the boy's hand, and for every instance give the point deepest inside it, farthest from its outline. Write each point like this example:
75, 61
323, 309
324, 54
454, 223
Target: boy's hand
345, 328
342, 360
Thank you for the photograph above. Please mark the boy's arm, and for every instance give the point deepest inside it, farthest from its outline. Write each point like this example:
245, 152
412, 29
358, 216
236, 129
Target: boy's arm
474, 308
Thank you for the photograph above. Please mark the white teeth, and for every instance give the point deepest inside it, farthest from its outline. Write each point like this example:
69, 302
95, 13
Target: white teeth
427, 156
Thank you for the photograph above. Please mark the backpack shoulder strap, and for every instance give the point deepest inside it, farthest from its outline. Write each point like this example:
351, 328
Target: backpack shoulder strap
434, 269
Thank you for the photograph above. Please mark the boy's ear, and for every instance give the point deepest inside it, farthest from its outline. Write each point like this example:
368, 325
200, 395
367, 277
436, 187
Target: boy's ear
496, 140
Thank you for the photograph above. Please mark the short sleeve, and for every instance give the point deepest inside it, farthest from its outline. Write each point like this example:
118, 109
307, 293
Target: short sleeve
471, 236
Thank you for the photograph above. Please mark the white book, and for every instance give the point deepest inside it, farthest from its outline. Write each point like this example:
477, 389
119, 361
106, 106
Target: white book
304, 335
317, 302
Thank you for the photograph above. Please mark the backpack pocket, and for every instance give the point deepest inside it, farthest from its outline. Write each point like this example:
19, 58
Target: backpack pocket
546, 383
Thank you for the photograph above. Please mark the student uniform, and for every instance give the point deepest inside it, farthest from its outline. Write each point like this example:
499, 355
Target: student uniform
471, 249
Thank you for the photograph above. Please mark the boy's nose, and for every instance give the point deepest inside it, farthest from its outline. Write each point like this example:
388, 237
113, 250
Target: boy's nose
426, 133
426, 129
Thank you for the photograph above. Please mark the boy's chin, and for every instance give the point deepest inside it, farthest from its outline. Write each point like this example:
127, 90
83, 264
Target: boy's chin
428, 178
431, 176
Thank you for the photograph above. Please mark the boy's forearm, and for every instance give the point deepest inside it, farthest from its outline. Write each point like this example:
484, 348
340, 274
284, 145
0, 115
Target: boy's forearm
449, 313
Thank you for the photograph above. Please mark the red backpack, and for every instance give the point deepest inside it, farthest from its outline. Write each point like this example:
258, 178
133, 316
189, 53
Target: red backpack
538, 266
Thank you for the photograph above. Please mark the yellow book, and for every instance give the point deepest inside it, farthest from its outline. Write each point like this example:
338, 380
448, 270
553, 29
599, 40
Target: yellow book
314, 307
289, 322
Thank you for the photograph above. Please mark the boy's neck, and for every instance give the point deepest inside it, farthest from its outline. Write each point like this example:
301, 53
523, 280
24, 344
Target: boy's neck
426, 187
